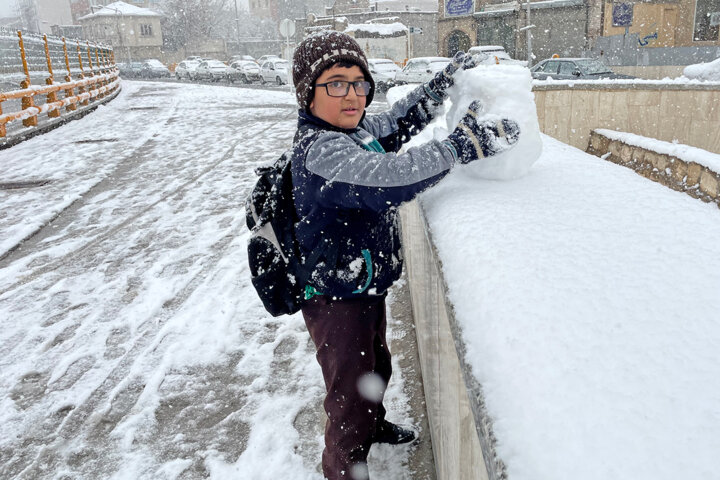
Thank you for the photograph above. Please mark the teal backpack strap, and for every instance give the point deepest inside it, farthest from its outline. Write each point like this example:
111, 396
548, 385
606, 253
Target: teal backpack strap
368, 142
368, 265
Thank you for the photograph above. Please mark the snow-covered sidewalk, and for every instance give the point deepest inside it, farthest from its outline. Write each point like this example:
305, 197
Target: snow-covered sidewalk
132, 344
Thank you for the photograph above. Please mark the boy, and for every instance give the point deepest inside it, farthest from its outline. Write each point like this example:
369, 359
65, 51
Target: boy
346, 190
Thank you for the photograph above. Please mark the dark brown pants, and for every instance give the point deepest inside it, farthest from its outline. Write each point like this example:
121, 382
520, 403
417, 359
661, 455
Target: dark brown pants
349, 337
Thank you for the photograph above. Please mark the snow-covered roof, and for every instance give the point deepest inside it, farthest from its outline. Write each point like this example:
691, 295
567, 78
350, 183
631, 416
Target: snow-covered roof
122, 8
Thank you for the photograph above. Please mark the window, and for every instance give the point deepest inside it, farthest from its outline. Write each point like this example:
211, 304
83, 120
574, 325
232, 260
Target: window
550, 67
706, 14
567, 68
146, 30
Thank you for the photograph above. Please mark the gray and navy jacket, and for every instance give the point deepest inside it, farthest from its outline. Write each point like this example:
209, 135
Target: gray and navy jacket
347, 185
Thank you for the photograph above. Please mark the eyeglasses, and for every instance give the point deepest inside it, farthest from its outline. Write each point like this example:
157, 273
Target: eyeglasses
340, 88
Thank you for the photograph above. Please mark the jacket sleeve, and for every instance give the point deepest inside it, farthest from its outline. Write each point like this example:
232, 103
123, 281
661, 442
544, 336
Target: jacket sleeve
357, 178
406, 118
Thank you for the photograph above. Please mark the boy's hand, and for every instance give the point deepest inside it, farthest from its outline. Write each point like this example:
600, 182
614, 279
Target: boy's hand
444, 78
472, 140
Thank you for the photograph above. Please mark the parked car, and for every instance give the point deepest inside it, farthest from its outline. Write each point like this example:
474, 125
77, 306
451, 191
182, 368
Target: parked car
130, 69
194, 58
420, 69
494, 54
245, 71
213, 70
574, 69
154, 69
383, 72
262, 59
124, 69
235, 58
186, 69
275, 70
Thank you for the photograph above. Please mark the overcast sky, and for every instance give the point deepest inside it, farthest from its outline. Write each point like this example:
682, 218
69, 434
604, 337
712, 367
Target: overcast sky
7, 7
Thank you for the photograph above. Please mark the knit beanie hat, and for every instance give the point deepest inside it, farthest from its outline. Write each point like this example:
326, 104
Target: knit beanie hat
320, 51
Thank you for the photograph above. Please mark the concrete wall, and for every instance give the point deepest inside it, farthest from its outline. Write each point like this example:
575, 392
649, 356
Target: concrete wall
460, 429
689, 114
626, 50
651, 72
684, 176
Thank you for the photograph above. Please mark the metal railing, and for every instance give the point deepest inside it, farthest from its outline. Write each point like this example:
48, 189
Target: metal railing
55, 77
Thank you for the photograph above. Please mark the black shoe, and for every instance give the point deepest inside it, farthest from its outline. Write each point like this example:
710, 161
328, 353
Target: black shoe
393, 434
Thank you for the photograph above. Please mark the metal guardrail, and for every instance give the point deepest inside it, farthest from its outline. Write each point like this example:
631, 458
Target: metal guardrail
88, 74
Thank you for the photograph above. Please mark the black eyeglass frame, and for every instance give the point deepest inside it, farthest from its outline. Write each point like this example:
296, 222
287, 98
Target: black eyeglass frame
347, 87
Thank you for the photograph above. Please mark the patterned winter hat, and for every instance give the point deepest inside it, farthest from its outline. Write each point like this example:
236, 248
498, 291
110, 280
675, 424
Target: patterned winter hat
320, 51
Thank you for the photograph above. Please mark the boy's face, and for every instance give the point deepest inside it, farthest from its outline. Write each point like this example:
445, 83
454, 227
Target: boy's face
342, 112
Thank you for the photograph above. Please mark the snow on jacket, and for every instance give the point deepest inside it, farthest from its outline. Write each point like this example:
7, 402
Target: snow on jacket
347, 188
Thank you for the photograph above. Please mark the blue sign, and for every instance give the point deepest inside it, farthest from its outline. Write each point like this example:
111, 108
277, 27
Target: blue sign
459, 7
622, 14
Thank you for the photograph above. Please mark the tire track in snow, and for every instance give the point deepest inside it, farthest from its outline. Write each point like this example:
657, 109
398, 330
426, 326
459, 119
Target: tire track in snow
78, 417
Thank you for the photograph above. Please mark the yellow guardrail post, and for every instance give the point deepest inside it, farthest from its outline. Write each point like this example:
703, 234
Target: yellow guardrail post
3, 130
97, 62
82, 88
51, 96
68, 78
26, 102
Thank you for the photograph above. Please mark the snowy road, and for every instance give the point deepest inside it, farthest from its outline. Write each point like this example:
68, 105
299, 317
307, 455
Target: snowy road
132, 344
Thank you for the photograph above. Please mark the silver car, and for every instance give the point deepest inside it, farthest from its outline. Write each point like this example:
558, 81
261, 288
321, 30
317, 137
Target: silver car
275, 71
245, 71
213, 70
186, 69
421, 69
383, 72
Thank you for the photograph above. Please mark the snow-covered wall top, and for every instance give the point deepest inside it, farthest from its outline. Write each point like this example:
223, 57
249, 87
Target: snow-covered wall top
674, 149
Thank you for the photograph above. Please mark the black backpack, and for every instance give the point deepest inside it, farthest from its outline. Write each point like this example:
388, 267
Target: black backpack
278, 273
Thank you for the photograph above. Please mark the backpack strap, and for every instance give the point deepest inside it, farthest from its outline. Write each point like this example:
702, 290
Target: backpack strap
330, 251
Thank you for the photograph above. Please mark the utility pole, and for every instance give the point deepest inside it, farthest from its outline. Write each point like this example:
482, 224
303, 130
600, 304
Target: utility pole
237, 27
529, 37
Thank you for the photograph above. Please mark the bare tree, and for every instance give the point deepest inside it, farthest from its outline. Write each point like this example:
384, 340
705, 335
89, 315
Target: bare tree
188, 21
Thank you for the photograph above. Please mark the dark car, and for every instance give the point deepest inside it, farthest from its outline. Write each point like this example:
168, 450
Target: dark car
130, 69
154, 69
574, 69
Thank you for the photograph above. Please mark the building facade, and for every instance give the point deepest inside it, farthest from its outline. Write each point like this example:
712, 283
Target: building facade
422, 27
562, 27
134, 32
277, 10
683, 23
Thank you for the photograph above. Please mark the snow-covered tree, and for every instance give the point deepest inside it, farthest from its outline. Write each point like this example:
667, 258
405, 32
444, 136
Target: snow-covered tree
187, 21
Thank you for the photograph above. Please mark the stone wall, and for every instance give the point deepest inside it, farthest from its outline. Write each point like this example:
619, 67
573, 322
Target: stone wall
684, 176
685, 112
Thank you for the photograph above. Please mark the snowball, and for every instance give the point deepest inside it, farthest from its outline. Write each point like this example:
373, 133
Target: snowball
505, 91
372, 387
